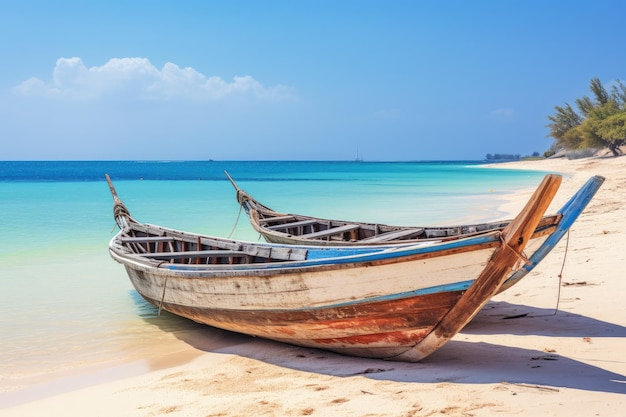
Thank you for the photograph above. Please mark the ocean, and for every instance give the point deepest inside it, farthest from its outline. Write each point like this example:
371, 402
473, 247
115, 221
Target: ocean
68, 307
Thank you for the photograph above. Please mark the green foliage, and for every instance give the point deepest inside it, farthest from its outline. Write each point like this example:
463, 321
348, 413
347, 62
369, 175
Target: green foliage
613, 127
599, 122
502, 157
563, 121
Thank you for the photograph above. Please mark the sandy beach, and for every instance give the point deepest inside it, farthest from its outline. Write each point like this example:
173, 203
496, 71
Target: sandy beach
553, 345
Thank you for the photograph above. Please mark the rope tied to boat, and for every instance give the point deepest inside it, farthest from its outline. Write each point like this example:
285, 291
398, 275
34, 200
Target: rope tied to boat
162, 296
120, 214
241, 196
558, 294
558, 297
520, 255
236, 222
119, 209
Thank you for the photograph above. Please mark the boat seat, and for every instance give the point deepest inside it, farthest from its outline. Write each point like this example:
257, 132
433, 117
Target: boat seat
394, 235
442, 232
276, 219
144, 239
294, 224
331, 231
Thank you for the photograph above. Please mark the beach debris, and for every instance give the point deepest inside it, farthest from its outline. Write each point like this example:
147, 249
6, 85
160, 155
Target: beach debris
515, 316
372, 371
545, 358
539, 387
576, 284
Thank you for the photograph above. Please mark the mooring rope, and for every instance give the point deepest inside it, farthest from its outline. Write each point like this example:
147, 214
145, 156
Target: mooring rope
162, 296
558, 297
236, 222
519, 255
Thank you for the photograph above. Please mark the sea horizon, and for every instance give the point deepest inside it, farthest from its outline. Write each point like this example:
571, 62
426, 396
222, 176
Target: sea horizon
6, 165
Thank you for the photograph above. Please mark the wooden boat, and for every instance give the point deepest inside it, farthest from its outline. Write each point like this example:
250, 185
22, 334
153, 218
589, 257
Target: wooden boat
398, 302
297, 229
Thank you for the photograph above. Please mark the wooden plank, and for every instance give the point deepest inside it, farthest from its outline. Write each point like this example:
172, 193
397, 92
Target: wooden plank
276, 219
330, 232
221, 243
442, 232
397, 234
294, 224
275, 252
144, 239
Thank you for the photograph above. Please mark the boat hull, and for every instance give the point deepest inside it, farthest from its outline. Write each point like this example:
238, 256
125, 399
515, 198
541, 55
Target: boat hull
349, 310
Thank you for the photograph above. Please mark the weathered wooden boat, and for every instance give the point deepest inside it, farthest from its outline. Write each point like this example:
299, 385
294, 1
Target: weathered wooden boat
397, 303
298, 229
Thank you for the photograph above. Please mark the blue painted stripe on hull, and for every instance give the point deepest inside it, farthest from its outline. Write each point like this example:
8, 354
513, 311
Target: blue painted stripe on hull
391, 253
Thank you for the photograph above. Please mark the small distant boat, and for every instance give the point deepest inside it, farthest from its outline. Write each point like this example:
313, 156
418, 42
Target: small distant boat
298, 229
359, 158
397, 303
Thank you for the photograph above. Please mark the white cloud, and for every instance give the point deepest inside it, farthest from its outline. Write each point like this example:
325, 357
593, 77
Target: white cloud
137, 78
501, 114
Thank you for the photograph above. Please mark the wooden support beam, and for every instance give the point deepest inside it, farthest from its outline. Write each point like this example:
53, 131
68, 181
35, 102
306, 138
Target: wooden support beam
331, 232
144, 239
276, 219
294, 224
397, 234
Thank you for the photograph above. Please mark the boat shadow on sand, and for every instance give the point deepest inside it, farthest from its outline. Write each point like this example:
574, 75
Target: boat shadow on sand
458, 361
500, 317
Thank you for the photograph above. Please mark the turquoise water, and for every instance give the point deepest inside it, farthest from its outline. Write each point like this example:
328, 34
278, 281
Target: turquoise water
67, 306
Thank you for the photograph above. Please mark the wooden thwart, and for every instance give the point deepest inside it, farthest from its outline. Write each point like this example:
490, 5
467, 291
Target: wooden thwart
294, 224
277, 219
332, 231
146, 239
385, 237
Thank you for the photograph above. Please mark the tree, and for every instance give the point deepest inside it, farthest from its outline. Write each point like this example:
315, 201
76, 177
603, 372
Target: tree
613, 128
563, 121
599, 122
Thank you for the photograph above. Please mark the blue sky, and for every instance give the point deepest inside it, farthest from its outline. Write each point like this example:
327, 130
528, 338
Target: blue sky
296, 80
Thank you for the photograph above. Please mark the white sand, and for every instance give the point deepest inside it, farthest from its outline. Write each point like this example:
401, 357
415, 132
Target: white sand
572, 363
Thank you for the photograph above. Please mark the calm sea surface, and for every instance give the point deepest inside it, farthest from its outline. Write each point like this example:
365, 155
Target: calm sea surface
67, 306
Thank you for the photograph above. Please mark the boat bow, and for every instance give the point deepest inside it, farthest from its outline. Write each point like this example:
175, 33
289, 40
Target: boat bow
513, 240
